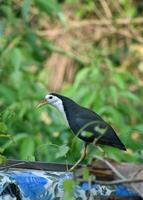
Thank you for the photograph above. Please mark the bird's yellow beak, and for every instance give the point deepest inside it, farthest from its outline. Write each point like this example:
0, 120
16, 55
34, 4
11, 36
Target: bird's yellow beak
41, 103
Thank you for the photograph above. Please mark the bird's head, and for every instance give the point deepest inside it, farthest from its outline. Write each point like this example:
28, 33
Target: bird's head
54, 100
51, 99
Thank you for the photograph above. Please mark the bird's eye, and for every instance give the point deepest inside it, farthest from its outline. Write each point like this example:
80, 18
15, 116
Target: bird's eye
50, 97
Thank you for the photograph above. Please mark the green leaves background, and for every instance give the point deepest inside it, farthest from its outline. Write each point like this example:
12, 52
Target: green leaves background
103, 84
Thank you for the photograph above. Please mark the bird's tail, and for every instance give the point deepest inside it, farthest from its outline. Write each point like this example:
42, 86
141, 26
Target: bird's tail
111, 138
119, 146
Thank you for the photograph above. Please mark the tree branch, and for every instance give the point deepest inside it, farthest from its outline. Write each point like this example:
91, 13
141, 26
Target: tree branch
127, 181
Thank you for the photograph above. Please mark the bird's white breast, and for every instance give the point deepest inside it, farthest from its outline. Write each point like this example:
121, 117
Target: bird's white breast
59, 105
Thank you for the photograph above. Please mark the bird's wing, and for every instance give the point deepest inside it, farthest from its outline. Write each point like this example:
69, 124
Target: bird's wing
90, 125
94, 128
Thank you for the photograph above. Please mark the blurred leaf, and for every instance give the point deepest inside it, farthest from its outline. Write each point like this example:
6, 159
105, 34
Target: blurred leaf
62, 151
50, 6
114, 94
16, 58
85, 174
119, 80
27, 148
116, 154
68, 185
7, 93
15, 139
3, 127
8, 114
130, 10
26, 8
2, 160
139, 127
129, 95
80, 76
68, 189
7, 10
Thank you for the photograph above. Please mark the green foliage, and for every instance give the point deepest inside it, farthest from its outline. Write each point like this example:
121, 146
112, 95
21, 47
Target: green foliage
68, 189
62, 151
103, 84
27, 148
85, 174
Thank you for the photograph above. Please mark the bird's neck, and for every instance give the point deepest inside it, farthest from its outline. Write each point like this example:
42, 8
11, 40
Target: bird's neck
59, 105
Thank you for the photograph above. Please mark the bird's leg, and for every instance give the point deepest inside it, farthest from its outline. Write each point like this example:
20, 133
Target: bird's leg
95, 142
101, 150
83, 155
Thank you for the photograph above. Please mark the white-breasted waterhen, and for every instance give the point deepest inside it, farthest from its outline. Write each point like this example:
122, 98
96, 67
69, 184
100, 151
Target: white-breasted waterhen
85, 123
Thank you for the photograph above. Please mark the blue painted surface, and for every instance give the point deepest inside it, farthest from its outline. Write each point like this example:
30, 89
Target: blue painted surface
31, 184
40, 185
119, 190
123, 191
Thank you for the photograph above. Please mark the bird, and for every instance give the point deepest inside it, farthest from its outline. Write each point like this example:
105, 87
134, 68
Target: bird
84, 123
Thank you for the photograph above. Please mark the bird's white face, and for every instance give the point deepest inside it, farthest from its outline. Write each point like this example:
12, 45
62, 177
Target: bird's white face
54, 101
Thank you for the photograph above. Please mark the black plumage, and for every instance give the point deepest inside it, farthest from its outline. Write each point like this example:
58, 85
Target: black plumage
88, 125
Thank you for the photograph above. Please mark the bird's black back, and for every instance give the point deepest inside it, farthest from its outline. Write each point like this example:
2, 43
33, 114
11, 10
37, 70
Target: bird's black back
81, 120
